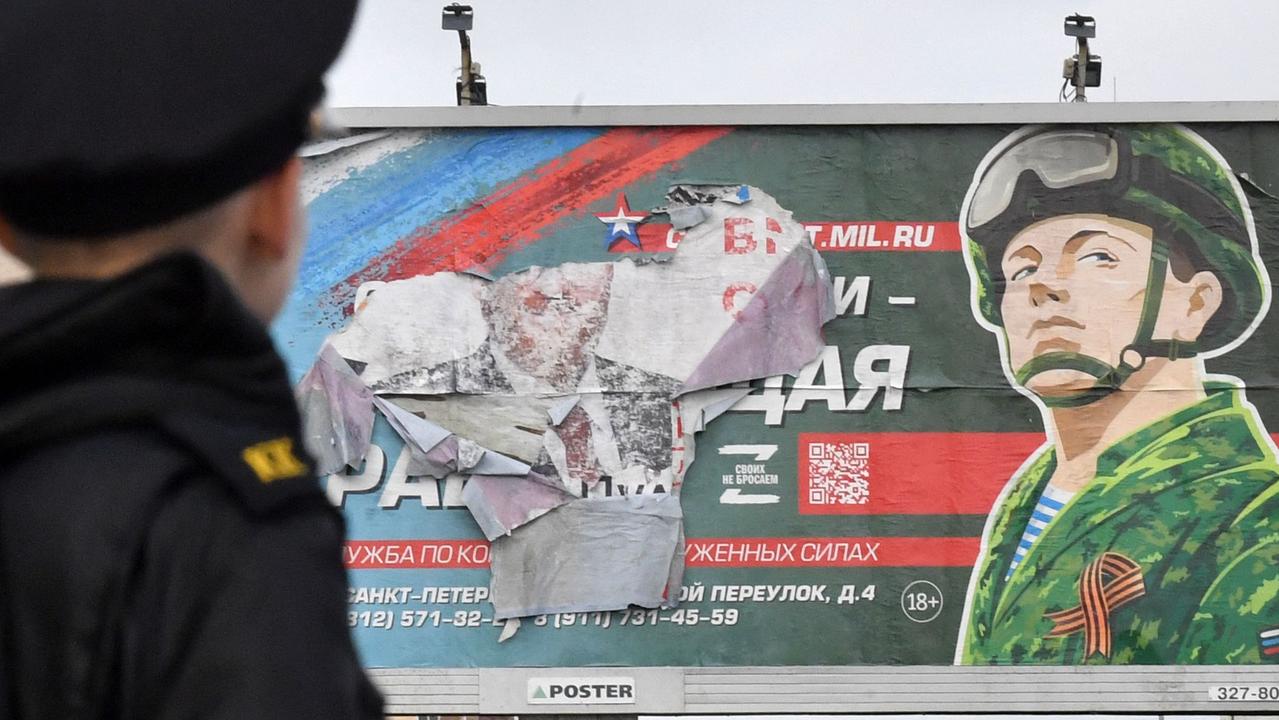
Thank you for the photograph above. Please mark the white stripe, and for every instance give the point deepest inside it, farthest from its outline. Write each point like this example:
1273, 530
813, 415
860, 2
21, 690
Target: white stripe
324, 172
901, 300
1038, 524
1270, 633
1055, 493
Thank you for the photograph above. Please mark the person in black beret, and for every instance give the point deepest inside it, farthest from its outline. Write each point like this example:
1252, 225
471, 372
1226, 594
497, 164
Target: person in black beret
165, 550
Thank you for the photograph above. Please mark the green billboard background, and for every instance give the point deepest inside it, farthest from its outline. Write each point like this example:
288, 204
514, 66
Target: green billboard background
863, 596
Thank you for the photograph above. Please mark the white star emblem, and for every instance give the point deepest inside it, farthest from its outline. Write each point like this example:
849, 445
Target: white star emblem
620, 221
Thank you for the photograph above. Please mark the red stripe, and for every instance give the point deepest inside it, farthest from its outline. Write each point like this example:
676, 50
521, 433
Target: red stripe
832, 552
1116, 600
1095, 613
1271, 650
904, 236
420, 554
1113, 566
1064, 627
706, 552
910, 473
836, 236
518, 213
1074, 614
1116, 590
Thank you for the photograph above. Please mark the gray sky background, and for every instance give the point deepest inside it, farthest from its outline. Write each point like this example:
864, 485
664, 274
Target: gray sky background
638, 52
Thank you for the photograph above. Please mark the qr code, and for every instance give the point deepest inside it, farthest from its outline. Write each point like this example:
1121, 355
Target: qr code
838, 473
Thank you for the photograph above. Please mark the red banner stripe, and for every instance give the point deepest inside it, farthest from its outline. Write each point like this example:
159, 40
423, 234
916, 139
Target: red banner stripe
832, 552
842, 236
908, 473
416, 554
701, 552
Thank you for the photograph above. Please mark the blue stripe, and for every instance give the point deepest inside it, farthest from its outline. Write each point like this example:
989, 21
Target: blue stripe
1049, 502
1042, 516
1025, 543
1033, 531
1270, 642
354, 221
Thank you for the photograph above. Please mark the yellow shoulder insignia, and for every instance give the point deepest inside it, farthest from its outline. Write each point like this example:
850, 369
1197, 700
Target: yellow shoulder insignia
273, 460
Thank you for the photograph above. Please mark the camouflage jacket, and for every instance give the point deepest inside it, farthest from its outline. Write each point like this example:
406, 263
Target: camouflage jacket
1170, 555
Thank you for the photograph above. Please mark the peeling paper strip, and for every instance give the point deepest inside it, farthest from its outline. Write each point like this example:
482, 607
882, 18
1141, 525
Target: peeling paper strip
588, 555
692, 194
508, 424
437, 452
502, 504
476, 460
683, 218
422, 437
337, 413
561, 409
700, 407
497, 464
421, 434
324, 147
509, 628
675, 573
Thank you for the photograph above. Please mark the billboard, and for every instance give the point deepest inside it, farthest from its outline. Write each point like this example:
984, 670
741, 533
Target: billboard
799, 396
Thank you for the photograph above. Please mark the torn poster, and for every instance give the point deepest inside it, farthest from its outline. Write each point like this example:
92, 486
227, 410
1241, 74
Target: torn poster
593, 554
337, 413
501, 503
567, 384
437, 452
744, 297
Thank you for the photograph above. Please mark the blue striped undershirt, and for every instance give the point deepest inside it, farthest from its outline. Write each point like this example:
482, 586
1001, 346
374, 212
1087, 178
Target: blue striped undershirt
1050, 503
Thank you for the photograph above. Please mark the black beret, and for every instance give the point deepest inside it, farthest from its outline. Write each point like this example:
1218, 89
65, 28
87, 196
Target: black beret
120, 114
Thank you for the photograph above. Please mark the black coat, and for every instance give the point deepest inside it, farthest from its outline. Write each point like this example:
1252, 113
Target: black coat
165, 550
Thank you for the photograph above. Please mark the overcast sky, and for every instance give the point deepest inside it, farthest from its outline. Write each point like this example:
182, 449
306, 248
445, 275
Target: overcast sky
619, 52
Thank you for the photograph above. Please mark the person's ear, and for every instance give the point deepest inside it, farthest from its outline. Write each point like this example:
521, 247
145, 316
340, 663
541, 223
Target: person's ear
275, 212
1202, 300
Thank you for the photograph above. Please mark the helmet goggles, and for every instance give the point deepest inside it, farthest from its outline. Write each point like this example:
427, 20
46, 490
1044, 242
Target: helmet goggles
1100, 171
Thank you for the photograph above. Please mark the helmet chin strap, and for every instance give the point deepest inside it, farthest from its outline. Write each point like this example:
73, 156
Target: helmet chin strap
1109, 378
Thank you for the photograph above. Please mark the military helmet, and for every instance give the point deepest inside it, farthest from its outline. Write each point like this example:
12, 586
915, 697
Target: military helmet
1163, 176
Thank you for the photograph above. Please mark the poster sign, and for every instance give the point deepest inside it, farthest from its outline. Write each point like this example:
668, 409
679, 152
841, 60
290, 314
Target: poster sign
581, 691
872, 395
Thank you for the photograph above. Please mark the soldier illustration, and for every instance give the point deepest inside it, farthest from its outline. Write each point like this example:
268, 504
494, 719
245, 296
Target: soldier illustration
1109, 262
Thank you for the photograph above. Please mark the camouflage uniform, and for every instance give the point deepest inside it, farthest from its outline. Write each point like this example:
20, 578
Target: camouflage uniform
1192, 500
